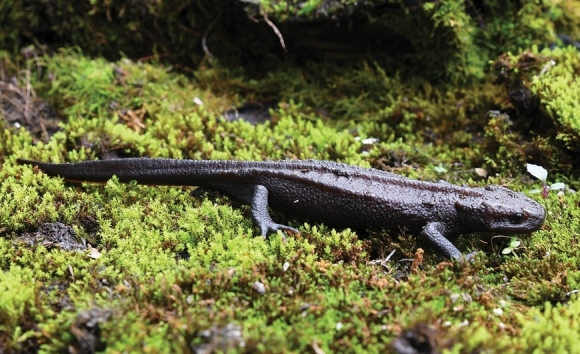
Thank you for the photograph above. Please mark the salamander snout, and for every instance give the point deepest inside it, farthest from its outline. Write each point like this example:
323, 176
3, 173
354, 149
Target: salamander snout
521, 215
536, 214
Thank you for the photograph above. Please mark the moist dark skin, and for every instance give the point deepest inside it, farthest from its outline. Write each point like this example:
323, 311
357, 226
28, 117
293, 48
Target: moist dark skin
332, 193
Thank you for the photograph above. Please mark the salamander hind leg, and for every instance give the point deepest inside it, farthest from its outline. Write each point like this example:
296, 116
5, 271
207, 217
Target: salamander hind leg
262, 217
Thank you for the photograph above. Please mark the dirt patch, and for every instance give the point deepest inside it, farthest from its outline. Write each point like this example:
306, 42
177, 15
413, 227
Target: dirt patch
220, 339
54, 235
20, 108
251, 112
87, 331
422, 338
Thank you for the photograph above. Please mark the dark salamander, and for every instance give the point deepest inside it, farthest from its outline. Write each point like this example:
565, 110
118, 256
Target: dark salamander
333, 193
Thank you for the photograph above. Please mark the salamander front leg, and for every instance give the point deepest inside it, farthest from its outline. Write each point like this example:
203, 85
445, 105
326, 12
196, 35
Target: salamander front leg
261, 215
435, 233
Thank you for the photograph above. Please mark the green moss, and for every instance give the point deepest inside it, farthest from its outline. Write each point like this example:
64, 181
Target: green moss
172, 266
553, 329
557, 88
542, 88
444, 40
175, 271
17, 309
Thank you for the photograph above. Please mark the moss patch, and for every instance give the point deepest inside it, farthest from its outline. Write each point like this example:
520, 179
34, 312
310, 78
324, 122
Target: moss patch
169, 269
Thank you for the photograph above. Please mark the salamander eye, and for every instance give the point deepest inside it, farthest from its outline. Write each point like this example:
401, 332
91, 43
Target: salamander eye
516, 217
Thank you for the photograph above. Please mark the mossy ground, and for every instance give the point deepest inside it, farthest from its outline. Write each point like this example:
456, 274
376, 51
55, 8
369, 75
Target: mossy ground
172, 270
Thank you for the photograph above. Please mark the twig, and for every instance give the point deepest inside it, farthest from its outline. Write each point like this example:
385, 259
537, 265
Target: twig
275, 29
2, 70
383, 262
153, 56
204, 38
14, 102
27, 100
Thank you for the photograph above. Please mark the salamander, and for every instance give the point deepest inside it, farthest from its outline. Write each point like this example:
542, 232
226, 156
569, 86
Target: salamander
333, 193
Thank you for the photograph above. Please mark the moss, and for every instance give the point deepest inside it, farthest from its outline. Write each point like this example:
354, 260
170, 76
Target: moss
557, 89
445, 40
174, 270
542, 89
18, 310
171, 267
552, 329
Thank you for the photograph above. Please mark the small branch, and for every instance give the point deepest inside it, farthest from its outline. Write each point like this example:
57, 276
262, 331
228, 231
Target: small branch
204, 38
153, 57
275, 29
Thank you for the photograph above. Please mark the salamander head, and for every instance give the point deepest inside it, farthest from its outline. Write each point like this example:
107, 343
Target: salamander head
502, 210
